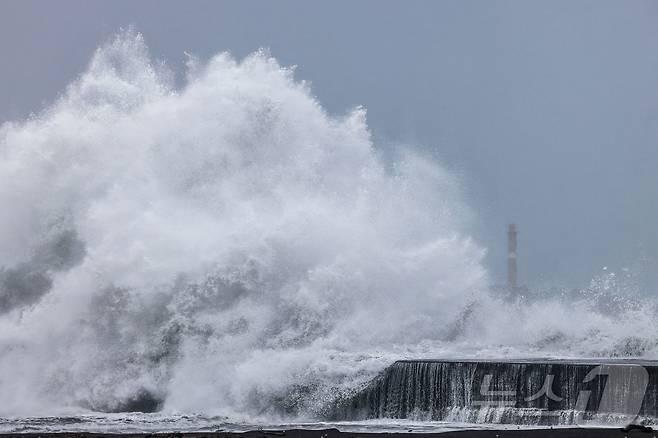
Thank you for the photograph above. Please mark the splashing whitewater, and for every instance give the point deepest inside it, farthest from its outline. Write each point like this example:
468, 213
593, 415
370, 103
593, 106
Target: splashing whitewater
229, 247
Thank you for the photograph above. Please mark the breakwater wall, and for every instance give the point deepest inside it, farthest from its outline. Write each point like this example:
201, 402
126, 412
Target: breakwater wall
538, 392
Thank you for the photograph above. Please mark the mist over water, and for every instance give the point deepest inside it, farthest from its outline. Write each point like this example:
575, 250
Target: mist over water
227, 247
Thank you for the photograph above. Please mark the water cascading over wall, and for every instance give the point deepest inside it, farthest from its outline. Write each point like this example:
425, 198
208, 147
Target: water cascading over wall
521, 392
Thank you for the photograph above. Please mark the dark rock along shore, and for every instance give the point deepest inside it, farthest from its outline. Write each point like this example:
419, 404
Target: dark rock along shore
335, 433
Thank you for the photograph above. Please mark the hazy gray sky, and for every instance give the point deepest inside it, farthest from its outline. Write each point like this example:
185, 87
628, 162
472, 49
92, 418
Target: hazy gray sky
547, 109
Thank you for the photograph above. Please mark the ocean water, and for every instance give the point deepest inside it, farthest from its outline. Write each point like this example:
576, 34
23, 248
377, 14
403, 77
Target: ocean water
230, 252
146, 423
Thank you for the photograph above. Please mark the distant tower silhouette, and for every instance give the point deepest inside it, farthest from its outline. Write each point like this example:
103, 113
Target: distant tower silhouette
511, 258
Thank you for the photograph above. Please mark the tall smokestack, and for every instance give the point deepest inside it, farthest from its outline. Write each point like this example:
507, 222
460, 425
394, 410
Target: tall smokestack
511, 257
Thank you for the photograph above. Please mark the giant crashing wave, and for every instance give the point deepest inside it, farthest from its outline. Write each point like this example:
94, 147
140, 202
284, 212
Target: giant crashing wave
229, 247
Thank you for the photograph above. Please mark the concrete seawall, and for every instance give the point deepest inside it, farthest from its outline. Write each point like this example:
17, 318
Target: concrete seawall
538, 392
